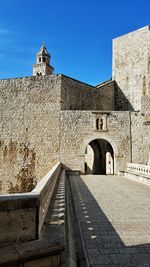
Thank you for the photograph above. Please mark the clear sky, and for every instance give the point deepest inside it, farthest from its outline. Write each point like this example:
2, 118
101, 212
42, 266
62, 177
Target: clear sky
77, 33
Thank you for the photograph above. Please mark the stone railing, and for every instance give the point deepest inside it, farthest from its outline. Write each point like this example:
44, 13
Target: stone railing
44, 191
138, 168
22, 215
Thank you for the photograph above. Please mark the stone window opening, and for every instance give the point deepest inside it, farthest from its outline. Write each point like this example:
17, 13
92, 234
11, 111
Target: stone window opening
44, 59
39, 59
39, 73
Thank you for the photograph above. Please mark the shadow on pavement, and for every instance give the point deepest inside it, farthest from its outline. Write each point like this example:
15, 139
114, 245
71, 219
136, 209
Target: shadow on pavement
103, 245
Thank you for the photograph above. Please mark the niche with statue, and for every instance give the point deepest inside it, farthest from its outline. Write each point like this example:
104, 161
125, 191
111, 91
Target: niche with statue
100, 122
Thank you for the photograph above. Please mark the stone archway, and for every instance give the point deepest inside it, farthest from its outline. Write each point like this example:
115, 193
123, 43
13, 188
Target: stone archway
99, 157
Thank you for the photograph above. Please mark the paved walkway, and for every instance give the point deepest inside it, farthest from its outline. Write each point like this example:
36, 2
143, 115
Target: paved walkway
114, 215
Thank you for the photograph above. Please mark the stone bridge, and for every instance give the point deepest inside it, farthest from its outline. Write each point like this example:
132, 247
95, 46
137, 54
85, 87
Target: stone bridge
78, 220
113, 217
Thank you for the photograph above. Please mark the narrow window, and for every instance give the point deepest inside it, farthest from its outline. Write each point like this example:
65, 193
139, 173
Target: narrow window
43, 59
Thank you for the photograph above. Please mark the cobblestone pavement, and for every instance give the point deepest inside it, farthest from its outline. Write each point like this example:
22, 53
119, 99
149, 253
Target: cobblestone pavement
114, 216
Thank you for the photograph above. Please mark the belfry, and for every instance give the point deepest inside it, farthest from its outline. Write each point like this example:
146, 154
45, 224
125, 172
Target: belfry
42, 66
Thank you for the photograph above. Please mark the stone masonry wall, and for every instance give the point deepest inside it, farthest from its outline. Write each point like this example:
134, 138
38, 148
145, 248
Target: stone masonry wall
106, 96
145, 103
35, 133
131, 67
30, 124
29, 137
76, 95
140, 138
77, 131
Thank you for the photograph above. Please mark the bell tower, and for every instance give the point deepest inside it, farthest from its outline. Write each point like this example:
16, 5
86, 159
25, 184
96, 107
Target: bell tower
42, 66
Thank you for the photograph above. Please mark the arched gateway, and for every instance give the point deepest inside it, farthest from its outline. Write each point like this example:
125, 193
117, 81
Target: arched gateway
99, 157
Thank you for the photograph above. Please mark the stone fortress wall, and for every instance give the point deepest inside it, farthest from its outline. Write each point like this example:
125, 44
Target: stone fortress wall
31, 123
29, 139
140, 137
52, 118
131, 72
131, 66
76, 95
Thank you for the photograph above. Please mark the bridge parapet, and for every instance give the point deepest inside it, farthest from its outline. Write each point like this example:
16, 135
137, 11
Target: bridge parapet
22, 215
139, 168
44, 191
138, 172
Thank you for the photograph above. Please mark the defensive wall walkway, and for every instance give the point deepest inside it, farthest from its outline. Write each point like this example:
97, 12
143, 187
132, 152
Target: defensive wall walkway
73, 220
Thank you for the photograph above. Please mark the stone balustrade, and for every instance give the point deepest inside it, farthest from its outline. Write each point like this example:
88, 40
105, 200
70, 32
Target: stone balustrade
138, 168
22, 215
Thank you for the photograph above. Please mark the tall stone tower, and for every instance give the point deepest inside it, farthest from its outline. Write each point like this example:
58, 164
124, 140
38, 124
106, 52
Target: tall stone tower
131, 66
42, 66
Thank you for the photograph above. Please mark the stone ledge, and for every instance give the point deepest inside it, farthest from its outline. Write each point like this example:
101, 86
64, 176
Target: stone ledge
17, 254
19, 201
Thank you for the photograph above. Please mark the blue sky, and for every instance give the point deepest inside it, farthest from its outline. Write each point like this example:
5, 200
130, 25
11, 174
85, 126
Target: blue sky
78, 34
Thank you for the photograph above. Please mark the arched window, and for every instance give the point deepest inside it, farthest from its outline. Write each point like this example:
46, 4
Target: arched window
39, 73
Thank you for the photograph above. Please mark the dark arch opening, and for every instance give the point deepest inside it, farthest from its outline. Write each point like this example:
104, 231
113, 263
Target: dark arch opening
99, 157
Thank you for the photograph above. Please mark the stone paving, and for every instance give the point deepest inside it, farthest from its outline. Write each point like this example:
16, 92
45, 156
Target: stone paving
114, 216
